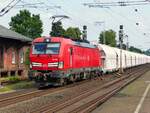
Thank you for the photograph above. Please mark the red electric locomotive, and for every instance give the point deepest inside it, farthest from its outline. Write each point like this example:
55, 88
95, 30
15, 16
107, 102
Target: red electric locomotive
56, 60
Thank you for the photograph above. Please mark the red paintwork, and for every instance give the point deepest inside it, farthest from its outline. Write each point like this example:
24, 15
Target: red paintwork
82, 57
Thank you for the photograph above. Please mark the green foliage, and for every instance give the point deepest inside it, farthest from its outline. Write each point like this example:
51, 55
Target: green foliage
57, 29
10, 79
134, 49
22, 85
18, 85
27, 60
27, 24
13, 79
147, 52
110, 36
73, 33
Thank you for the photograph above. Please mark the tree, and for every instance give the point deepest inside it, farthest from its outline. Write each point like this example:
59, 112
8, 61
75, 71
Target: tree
27, 24
147, 52
134, 49
57, 29
109, 36
74, 33
27, 59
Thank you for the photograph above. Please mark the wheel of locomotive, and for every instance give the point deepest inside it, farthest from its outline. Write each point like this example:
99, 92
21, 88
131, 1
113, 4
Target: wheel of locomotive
100, 74
88, 75
63, 81
72, 78
81, 76
84, 75
92, 75
39, 86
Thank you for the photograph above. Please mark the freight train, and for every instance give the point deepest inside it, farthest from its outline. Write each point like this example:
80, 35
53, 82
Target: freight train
57, 60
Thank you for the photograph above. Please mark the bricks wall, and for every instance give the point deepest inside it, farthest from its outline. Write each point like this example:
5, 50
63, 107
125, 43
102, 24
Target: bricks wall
18, 65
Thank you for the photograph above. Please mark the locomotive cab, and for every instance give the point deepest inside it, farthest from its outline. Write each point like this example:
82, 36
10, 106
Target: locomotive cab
46, 60
45, 56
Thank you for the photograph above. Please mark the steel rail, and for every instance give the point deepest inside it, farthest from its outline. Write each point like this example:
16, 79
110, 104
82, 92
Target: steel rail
33, 94
60, 105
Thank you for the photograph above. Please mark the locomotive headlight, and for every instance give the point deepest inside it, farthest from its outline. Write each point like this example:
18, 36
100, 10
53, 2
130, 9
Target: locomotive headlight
61, 65
30, 66
36, 64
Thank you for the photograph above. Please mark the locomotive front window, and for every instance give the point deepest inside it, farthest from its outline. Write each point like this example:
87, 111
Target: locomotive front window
46, 48
39, 48
52, 48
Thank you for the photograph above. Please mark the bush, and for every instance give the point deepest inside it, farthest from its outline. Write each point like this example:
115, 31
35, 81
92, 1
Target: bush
27, 60
22, 85
13, 79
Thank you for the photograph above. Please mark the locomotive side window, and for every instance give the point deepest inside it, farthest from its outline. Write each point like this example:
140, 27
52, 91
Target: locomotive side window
46, 48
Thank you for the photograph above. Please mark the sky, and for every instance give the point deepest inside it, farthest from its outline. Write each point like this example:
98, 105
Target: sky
110, 18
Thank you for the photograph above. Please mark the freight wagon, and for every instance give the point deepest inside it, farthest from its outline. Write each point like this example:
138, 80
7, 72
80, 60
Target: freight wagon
110, 57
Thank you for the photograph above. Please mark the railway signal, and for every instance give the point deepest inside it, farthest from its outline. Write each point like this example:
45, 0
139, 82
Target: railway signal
84, 36
121, 42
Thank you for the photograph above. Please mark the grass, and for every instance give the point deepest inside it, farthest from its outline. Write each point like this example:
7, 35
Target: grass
10, 79
17, 86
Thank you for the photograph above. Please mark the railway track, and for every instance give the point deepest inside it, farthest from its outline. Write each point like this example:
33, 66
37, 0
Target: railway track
19, 96
91, 105
87, 100
9, 99
15, 97
16, 93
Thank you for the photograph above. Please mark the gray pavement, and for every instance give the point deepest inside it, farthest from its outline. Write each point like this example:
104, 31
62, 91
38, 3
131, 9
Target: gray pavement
131, 99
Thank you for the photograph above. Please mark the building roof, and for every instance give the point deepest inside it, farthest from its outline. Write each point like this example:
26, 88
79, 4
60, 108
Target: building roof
7, 33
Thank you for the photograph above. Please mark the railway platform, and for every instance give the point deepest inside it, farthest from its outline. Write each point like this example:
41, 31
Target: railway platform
135, 98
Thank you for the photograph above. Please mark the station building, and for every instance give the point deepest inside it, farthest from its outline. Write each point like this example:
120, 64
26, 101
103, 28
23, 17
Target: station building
13, 47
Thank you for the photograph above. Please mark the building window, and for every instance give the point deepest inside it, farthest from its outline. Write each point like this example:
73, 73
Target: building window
21, 56
13, 57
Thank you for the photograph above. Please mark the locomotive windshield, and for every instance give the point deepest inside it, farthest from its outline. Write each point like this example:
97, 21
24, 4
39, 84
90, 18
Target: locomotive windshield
46, 48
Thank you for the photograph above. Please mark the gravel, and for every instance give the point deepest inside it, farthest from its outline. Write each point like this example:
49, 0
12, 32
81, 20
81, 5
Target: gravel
33, 104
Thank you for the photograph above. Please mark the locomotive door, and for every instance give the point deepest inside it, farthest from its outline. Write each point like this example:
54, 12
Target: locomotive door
1, 57
71, 57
